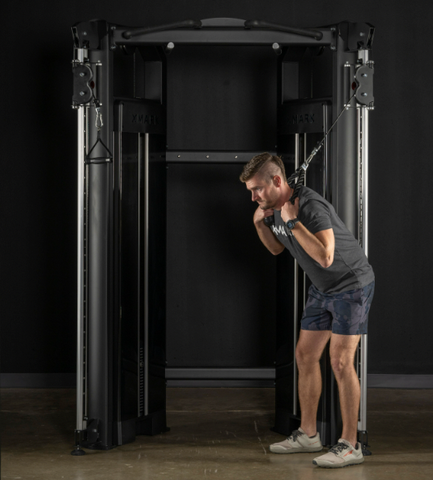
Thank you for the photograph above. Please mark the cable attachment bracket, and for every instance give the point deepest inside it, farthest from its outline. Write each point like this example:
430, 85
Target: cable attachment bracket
105, 155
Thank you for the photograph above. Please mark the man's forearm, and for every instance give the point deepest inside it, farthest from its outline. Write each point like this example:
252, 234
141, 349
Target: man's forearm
268, 238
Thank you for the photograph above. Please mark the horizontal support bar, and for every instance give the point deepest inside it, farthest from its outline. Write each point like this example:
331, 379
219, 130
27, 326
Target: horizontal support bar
208, 377
219, 373
210, 157
224, 36
225, 23
38, 380
399, 381
201, 383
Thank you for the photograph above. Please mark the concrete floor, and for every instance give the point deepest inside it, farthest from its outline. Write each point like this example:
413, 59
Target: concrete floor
215, 433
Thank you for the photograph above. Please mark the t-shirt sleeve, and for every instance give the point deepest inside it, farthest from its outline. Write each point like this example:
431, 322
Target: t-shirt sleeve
315, 216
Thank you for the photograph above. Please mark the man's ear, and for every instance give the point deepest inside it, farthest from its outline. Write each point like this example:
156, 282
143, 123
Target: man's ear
277, 180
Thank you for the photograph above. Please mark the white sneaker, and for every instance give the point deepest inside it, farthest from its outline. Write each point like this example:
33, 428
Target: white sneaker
341, 455
298, 442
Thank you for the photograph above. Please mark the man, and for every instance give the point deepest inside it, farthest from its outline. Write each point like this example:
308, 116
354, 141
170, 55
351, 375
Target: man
338, 302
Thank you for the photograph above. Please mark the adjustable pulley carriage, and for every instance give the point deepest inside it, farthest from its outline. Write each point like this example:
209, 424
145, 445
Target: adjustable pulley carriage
120, 92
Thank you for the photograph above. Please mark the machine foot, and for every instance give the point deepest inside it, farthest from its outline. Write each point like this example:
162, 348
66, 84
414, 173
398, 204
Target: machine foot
365, 452
78, 439
363, 439
78, 451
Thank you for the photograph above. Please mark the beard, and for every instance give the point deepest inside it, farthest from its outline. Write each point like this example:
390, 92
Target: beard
267, 205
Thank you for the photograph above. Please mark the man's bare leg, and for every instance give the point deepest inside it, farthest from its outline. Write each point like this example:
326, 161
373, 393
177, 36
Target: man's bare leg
308, 352
342, 352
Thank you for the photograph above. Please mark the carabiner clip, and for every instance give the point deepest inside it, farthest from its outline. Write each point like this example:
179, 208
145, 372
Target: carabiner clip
98, 119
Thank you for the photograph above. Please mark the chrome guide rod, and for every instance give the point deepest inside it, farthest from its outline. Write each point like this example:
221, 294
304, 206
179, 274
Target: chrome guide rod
364, 338
86, 266
359, 231
325, 153
364, 54
117, 170
139, 260
365, 146
146, 272
80, 258
304, 280
358, 356
295, 305
360, 179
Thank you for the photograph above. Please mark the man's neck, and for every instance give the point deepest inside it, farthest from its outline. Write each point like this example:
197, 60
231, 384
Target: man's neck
286, 195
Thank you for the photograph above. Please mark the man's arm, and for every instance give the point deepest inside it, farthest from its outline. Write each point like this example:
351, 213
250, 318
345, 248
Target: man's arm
320, 246
265, 234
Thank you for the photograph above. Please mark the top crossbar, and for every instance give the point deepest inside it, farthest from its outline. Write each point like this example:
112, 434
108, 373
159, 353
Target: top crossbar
222, 31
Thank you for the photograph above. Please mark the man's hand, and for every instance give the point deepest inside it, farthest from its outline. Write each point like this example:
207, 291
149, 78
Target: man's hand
289, 211
268, 239
260, 214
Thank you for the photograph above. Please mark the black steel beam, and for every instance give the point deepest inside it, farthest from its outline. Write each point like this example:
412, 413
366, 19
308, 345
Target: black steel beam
223, 36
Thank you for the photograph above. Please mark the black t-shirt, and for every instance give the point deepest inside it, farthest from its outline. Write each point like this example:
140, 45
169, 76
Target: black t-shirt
350, 269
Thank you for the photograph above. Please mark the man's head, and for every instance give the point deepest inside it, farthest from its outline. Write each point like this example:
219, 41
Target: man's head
265, 177
265, 164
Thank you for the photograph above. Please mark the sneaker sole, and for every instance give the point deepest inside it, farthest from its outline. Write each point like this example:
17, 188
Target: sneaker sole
282, 450
339, 465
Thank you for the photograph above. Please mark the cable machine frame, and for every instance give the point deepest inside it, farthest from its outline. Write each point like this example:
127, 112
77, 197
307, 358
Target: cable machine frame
94, 44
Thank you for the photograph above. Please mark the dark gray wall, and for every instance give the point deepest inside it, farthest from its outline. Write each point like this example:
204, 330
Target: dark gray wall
39, 170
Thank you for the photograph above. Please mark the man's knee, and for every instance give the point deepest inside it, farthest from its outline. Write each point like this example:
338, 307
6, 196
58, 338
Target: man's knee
342, 363
342, 353
310, 347
306, 357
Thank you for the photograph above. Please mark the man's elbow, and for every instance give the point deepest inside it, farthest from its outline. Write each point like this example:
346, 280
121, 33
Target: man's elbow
327, 261
277, 250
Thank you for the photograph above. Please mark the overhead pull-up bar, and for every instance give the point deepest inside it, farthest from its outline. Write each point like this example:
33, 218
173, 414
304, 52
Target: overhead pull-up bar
224, 24
210, 31
283, 28
162, 28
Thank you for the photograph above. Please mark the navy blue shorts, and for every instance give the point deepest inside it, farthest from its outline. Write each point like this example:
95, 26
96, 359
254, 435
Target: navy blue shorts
344, 313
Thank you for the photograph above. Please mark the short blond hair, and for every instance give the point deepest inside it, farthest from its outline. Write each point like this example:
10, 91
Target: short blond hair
270, 165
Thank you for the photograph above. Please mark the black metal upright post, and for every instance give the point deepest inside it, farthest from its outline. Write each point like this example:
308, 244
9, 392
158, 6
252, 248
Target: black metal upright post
344, 162
100, 346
